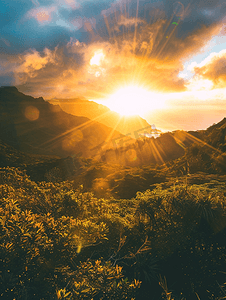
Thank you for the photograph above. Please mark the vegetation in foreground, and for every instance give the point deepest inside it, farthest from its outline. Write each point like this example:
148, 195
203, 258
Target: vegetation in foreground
59, 242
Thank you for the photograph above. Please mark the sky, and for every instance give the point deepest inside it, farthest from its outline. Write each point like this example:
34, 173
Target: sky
165, 60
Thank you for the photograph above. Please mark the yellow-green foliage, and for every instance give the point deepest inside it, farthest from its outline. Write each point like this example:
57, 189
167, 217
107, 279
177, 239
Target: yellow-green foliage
58, 242
99, 280
44, 230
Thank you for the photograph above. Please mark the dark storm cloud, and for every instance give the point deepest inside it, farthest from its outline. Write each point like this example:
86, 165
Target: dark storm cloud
49, 72
190, 15
23, 29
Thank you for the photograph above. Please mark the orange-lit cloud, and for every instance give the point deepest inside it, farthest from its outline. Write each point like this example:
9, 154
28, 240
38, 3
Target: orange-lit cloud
128, 22
74, 4
31, 63
213, 69
51, 14
115, 64
42, 14
95, 48
130, 50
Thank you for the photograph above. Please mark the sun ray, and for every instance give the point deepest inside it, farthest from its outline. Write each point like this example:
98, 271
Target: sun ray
83, 126
195, 139
108, 139
156, 152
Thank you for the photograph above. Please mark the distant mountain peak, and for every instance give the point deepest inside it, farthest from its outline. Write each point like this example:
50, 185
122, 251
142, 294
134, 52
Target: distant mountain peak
220, 124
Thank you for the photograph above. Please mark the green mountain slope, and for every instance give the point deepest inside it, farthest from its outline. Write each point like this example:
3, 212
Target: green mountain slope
207, 153
40, 167
36, 126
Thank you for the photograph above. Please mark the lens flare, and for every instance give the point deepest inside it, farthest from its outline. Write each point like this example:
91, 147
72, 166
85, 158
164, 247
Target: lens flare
31, 113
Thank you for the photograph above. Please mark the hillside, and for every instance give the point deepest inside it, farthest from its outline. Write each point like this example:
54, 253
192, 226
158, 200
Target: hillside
83, 229
40, 167
201, 149
36, 126
166, 147
207, 152
130, 125
215, 135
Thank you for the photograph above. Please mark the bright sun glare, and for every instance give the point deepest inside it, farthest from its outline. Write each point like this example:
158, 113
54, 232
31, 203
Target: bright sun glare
134, 100
97, 58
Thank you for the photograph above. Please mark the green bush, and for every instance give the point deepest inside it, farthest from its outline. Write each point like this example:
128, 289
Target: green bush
58, 242
44, 229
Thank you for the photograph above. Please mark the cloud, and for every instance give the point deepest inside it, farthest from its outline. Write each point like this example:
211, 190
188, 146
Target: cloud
213, 68
149, 60
88, 24
53, 15
42, 14
71, 70
31, 63
138, 46
73, 4
129, 21
50, 72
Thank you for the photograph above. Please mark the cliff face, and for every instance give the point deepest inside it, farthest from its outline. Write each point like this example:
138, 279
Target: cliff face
36, 126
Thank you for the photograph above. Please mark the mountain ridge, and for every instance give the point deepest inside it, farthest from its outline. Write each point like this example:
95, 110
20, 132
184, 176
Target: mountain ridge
36, 126
127, 125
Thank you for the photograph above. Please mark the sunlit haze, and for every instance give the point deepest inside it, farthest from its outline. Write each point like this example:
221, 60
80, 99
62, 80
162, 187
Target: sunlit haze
133, 100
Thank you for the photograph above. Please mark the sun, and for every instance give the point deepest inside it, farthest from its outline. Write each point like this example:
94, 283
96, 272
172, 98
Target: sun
97, 58
134, 100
